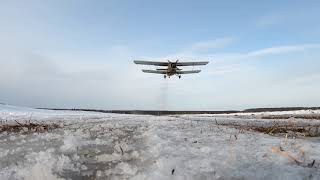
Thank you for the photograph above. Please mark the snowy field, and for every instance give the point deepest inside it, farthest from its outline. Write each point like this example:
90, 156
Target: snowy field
111, 146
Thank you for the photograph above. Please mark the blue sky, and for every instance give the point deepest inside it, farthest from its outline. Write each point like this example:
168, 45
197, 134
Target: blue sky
79, 53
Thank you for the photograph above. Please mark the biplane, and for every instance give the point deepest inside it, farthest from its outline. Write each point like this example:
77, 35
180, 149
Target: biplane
171, 68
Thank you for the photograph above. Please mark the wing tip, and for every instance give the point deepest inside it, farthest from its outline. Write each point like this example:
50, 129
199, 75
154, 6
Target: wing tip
205, 62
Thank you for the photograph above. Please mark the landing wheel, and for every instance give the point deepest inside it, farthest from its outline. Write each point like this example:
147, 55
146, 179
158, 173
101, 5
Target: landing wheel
179, 77
165, 76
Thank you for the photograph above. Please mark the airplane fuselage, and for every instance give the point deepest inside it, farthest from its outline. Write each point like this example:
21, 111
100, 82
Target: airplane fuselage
172, 69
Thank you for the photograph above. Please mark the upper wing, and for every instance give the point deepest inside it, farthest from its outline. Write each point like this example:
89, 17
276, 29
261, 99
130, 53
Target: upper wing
155, 71
200, 63
188, 72
155, 63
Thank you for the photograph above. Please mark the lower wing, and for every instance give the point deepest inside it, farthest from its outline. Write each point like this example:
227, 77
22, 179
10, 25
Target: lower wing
155, 71
188, 72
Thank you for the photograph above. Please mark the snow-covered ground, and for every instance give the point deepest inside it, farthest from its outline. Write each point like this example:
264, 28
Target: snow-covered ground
113, 146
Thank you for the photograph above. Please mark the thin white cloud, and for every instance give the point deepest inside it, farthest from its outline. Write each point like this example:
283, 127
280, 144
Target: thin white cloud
283, 49
259, 53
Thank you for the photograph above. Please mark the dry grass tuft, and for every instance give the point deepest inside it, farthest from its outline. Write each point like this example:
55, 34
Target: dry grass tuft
306, 131
296, 116
28, 127
288, 130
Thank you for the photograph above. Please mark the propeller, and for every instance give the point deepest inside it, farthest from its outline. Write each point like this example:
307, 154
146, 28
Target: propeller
176, 64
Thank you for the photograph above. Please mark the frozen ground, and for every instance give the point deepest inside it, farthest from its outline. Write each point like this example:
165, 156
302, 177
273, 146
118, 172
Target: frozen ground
112, 146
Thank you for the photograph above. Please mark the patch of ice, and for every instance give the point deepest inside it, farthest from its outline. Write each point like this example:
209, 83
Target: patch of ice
109, 157
4, 152
125, 169
41, 170
70, 143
